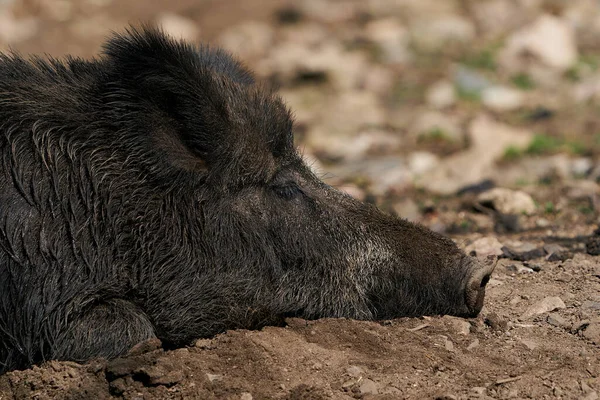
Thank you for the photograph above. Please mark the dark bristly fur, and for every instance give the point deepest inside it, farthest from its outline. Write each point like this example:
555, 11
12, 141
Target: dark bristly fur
156, 192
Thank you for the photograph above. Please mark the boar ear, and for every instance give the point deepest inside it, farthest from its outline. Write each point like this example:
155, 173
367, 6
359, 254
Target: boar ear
159, 75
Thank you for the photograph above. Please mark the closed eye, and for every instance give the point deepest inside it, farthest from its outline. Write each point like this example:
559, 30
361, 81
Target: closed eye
288, 190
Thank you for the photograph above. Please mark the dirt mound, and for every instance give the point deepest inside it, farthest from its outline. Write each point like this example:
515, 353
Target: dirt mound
515, 349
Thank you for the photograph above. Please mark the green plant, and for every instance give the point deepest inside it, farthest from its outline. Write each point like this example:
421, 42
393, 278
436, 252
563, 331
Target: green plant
523, 81
512, 153
543, 144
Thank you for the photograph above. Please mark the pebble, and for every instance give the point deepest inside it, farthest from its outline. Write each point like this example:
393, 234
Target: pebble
355, 371
501, 98
368, 387
214, 377
530, 344
522, 251
246, 396
485, 246
441, 95
507, 201
543, 306
473, 345
555, 319
458, 325
592, 332
470, 81
591, 305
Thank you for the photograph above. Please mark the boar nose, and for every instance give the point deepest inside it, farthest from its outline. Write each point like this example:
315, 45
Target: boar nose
475, 289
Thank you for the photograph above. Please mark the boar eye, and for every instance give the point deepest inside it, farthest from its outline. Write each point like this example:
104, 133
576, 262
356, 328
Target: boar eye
288, 190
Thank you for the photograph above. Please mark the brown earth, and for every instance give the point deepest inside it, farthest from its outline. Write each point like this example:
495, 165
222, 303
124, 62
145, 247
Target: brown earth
509, 351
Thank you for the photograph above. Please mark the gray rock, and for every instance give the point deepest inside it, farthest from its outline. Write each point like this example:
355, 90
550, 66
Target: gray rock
473, 345
519, 251
557, 252
591, 305
368, 387
555, 319
214, 377
471, 81
246, 396
543, 306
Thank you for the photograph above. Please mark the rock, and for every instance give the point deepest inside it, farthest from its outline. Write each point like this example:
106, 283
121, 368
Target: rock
591, 305
592, 332
543, 306
519, 269
507, 201
458, 325
250, 39
368, 387
392, 39
448, 345
555, 319
473, 345
582, 189
441, 95
471, 81
485, 246
550, 39
246, 396
214, 377
355, 371
434, 31
581, 166
530, 344
495, 322
445, 124
407, 209
519, 251
421, 162
164, 372
501, 98
557, 252
593, 395
488, 142
145, 347
179, 27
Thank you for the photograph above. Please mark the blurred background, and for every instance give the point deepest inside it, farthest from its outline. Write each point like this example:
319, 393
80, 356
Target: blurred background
420, 106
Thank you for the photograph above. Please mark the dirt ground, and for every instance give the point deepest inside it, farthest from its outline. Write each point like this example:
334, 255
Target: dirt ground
537, 337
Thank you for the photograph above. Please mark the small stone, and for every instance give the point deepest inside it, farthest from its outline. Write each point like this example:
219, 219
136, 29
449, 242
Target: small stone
522, 251
544, 306
448, 345
458, 325
500, 98
354, 371
348, 384
530, 344
246, 396
555, 319
441, 95
470, 81
557, 252
507, 201
368, 387
421, 162
592, 332
593, 395
591, 305
478, 391
495, 322
214, 377
145, 347
473, 345
485, 246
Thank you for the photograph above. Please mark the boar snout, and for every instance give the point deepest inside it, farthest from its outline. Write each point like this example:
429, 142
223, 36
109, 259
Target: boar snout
475, 287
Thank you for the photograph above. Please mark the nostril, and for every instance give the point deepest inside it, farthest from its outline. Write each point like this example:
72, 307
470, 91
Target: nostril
485, 281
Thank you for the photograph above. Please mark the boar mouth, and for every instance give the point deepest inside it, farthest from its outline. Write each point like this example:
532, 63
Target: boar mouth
475, 288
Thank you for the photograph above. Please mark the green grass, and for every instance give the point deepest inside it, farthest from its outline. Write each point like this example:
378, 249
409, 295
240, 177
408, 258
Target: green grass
523, 82
512, 153
549, 208
435, 135
543, 144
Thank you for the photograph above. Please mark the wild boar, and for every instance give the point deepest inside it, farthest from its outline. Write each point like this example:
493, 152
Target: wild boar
156, 192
